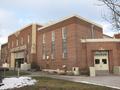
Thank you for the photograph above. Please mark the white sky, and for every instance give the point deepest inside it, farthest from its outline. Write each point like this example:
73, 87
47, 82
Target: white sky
14, 14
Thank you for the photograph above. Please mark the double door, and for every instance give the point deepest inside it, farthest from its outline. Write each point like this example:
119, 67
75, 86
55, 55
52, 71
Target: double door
101, 61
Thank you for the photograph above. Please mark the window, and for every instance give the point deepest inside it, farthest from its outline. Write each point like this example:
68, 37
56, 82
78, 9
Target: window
8, 45
17, 42
53, 46
22, 41
43, 38
64, 33
12, 44
43, 47
64, 42
92, 31
104, 61
28, 38
53, 36
101, 53
43, 51
97, 61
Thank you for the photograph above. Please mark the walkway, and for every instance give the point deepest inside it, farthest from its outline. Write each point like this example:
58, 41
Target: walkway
108, 81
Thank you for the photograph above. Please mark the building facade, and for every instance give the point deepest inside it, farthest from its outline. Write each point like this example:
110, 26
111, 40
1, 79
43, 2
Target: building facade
22, 46
76, 42
4, 53
66, 47
73, 41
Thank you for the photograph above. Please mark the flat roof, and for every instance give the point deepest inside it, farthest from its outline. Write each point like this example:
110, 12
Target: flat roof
107, 36
25, 26
4, 44
65, 18
100, 40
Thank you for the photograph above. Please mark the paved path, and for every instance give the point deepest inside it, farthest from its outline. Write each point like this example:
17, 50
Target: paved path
108, 81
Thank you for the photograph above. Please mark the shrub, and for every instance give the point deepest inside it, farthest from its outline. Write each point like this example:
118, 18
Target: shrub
35, 66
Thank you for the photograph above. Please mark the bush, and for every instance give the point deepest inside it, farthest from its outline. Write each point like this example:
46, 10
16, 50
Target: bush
35, 66
84, 72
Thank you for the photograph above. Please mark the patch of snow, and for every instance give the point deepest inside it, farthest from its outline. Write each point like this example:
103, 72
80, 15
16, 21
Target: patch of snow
14, 82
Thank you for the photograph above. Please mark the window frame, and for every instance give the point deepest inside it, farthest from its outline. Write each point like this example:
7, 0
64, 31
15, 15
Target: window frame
43, 47
64, 42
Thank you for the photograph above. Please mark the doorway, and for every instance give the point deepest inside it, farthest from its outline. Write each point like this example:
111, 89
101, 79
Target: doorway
101, 61
18, 62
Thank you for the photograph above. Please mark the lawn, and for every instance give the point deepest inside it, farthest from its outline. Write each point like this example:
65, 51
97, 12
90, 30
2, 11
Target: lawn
45, 83
13, 73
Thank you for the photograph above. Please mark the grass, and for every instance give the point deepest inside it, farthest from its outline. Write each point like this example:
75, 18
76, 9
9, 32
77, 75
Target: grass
13, 73
45, 83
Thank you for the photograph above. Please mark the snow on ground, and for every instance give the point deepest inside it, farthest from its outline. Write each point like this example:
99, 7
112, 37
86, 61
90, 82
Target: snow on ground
15, 82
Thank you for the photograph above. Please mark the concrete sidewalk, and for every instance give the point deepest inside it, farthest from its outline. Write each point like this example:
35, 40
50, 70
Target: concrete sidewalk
108, 81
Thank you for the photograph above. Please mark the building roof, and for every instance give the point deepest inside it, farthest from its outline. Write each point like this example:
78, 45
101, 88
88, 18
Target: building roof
65, 18
106, 36
100, 40
25, 27
5, 44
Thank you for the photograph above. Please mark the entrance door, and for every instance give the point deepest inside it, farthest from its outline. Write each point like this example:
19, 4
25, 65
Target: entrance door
18, 62
101, 60
19, 59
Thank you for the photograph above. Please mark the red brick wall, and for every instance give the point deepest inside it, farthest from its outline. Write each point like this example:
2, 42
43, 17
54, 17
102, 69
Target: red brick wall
59, 61
4, 53
79, 54
76, 29
23, 33
112, 48
117, 35
84, 31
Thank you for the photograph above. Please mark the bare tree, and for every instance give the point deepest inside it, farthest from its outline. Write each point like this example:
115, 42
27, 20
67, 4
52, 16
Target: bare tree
114, 7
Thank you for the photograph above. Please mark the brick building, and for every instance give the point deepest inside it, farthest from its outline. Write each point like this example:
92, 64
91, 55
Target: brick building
76, 42
73, 41
22, 46
4, 53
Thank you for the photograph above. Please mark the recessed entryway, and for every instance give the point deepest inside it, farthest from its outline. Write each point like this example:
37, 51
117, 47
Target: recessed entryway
18, 62
19, 59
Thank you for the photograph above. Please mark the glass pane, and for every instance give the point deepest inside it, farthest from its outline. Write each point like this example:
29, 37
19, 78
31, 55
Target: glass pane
43, 38
64, 33
104, 61
97, 61
53, 36
101, 53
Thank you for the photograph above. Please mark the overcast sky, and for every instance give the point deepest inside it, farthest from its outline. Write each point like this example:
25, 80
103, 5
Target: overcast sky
14, 14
